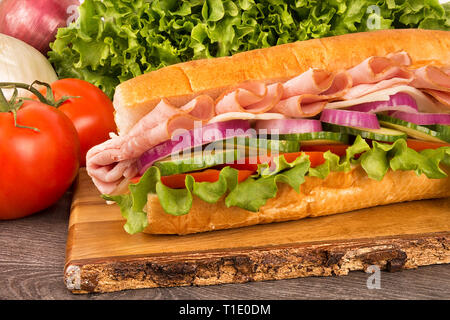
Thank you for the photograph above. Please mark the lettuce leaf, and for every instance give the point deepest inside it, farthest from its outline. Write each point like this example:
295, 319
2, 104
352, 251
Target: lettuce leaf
115, 40
377, 161
279, 164
333, 163
132, 204
425, 162
254, 192
176, 202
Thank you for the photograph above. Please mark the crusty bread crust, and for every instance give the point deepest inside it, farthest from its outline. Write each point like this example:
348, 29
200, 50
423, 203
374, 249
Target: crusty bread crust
181, 82
339, 192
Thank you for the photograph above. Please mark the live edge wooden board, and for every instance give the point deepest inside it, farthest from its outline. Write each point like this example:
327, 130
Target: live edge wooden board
102, 257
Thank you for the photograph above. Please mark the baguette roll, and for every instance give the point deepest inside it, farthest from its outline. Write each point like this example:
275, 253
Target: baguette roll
339, 192
180, 83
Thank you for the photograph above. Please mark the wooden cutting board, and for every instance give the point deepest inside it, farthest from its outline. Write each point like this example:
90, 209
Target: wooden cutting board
102, 257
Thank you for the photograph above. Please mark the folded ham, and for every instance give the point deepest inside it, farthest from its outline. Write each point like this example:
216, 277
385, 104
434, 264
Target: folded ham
114, 161
441, 96
303, 96
378, 73
434, 81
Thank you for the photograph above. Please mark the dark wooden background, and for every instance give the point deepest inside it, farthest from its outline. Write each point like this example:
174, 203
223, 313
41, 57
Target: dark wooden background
32, 261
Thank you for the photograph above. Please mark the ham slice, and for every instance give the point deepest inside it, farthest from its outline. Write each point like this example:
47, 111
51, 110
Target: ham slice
302, 96
115, 159
401, 58
104, 166
440, 96
434, 81
378, 73
431, 77
313, 81
309, 105
301, 106
254, 97
158, 125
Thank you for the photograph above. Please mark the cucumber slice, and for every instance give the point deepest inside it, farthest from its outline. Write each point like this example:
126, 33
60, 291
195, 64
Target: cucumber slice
444, 131
382, 134
194, 162
255, 144
315, 138
411, 129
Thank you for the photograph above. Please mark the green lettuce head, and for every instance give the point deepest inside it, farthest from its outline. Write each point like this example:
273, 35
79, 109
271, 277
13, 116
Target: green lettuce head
116, 40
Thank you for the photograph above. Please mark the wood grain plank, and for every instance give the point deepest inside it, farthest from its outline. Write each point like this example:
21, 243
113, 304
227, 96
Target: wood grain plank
107, 238
99, 250
32, 264
238, 266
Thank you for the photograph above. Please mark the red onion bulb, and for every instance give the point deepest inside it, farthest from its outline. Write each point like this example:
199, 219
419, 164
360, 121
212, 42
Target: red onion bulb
36, 21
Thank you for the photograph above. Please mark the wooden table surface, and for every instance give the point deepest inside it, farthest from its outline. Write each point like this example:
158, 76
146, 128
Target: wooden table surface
32, 261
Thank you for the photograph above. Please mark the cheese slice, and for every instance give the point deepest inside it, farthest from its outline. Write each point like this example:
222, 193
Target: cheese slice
246, 116
424, 103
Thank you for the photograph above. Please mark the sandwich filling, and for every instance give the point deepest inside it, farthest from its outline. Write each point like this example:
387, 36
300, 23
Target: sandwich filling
382, 114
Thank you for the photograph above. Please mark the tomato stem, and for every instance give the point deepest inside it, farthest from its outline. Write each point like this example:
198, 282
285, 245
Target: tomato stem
4, 104
14, 112
49, 99
12, 106
7, 106
12, 85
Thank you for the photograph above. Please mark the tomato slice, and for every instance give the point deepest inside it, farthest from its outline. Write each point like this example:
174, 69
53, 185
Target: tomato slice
338, 149
419, 145
316, 158
250, 165
243, 166
177, 181
316, 152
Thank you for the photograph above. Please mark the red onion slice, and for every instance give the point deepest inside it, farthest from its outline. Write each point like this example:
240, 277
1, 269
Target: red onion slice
350, 118
398, 102
423, 118
288, 126
194, 138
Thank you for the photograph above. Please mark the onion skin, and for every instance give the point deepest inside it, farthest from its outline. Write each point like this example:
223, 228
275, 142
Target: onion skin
423, 118
20, 62
35, 21
398, 102
196, 137
350, 118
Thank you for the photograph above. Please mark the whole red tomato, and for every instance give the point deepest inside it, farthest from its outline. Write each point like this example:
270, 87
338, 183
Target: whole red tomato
91, 112
36, 167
